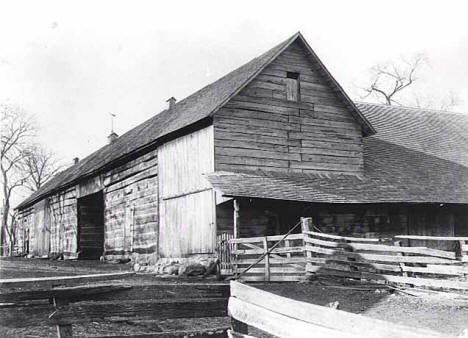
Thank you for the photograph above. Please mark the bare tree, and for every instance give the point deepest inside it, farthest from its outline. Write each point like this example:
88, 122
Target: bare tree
448, 103
40, 164
388, 80
17, 131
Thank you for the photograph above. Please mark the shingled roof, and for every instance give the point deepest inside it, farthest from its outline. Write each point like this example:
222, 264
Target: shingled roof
417, 155
196, 107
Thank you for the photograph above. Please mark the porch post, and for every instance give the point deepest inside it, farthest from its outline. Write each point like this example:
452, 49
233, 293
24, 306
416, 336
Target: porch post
236, 218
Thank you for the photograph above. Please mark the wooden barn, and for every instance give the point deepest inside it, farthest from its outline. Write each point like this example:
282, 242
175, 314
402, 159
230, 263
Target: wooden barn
248, 155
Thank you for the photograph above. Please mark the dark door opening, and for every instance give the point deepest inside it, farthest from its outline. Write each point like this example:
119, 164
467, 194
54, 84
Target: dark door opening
91, 226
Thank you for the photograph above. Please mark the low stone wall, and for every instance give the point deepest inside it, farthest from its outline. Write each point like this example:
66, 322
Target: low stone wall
196, 265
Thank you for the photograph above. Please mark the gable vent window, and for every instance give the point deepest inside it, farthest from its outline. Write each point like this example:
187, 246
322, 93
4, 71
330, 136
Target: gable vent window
292, 86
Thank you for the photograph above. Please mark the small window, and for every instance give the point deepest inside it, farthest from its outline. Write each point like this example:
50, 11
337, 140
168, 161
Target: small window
292, 86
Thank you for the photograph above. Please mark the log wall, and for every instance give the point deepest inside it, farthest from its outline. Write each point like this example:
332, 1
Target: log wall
131, 208
130, 213
51, 225
261, 129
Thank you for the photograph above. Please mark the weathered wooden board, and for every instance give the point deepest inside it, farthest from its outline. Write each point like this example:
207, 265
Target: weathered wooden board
187, 220
382, 247
38, 281
118, 291
284, 110
82, 312
290, 318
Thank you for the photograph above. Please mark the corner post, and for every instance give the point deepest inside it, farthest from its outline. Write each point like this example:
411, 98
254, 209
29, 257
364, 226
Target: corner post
236, 218
306, 225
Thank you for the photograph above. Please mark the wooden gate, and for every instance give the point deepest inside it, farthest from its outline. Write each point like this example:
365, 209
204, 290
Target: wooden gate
284, 263
223, 250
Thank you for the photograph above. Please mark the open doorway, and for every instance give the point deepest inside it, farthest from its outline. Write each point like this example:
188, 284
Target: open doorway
91, 226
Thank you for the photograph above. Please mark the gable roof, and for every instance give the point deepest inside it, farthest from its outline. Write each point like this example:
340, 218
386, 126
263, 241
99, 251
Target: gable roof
417, 156
194, 108
436, 133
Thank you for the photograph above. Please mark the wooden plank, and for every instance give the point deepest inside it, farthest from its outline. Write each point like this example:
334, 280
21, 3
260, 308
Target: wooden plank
22, 282
121, 292
273, 270
355, 239
436, 283
346, 266
269, 238
219, 332
266, 260
381, 258
292, 249
433, 238
382, 247
82, 312
273, 278
437, 269
277, 324
273, 260
335, 322
234, 334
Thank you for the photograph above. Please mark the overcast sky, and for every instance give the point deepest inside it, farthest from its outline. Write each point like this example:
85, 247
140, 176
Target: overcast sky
73, 63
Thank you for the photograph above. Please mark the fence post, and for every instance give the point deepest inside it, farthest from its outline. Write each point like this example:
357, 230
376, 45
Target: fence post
236, 218
402, 265
464, 255
63, 331
306, 225
267, 259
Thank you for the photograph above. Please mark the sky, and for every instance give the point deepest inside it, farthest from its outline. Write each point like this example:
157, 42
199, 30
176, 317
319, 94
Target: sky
72, 63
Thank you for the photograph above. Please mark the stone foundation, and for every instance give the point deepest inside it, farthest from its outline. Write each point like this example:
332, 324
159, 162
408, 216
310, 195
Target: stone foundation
195, 265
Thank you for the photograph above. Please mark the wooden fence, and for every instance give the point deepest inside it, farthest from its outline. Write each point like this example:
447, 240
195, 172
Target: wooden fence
387, 260
287, 318
311, 252
63, 301
284, 263
223, 250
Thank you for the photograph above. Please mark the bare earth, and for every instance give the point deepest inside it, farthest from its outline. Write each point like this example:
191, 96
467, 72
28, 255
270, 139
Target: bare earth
437, 313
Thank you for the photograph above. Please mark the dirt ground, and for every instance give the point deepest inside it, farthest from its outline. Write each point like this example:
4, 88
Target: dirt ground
28, 268
376, 301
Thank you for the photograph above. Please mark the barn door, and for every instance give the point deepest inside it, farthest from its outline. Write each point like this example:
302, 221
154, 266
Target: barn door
41, 229
186, 200
91, 226
187, 225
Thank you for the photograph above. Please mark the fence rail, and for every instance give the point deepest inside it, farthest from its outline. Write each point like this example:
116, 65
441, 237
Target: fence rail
284, 317
312, 252
285, 262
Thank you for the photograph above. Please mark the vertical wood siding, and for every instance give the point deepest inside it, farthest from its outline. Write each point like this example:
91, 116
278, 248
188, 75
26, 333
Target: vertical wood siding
187, 222
260, 128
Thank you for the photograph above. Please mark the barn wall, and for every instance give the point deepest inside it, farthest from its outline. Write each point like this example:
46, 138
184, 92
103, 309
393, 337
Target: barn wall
187, 221
49, 226
23, 227
130, 213
260, 129
131, 209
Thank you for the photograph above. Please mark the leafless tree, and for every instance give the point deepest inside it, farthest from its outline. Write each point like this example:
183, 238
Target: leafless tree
40, 165
17, 131
388, 80
448, 103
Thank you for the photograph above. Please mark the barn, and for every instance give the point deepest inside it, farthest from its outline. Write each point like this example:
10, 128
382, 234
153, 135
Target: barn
248, 155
